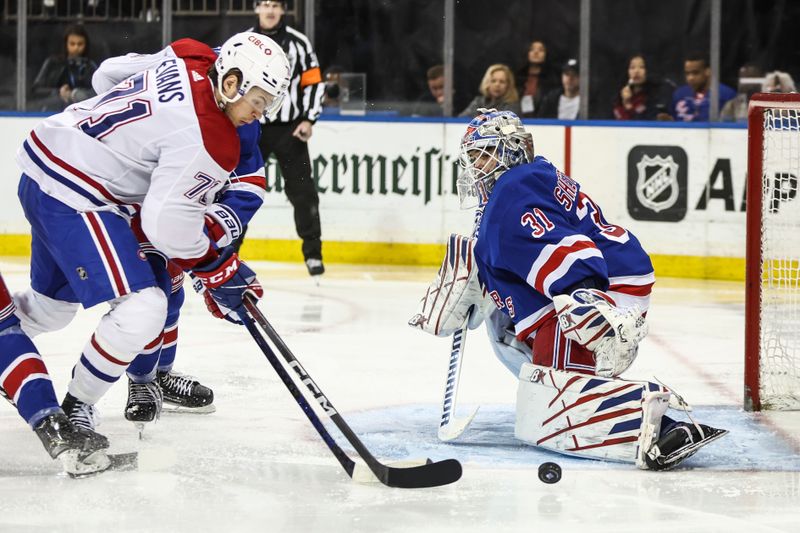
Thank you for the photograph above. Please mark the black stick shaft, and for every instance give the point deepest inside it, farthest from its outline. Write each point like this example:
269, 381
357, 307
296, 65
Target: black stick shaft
431, 474
343, 459
374, 464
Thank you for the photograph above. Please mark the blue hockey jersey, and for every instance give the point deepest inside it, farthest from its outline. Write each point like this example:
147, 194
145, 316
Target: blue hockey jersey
540, 235
247, 186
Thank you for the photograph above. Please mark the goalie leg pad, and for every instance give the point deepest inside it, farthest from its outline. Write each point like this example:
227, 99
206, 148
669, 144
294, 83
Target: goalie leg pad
586, 416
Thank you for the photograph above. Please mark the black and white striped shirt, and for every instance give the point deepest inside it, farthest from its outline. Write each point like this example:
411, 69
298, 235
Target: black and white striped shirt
306, 89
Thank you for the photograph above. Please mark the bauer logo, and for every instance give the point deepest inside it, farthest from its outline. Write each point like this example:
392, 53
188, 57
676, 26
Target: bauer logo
657, 183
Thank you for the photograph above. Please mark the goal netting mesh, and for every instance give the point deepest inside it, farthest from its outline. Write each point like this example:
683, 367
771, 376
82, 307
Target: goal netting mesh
779, 342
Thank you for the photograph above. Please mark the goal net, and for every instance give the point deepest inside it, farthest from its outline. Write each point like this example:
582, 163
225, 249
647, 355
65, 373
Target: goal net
772, 301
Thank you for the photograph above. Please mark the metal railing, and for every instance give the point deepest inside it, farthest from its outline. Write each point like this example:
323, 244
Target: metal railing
148, 10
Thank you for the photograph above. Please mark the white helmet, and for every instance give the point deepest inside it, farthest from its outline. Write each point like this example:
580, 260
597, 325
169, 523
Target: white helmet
495, 141
262, 64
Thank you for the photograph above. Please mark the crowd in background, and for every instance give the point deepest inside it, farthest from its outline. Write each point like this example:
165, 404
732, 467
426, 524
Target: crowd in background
540, 87
539, 90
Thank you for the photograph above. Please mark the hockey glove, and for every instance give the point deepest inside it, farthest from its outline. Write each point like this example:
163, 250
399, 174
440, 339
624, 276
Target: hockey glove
222, 225
213, 307
226, 280
450, 298
591, 318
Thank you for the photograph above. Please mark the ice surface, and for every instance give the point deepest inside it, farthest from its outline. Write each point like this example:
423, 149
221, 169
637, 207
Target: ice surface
258, 465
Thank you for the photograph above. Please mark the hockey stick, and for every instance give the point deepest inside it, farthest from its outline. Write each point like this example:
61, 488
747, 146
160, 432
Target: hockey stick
451, 427
427, 475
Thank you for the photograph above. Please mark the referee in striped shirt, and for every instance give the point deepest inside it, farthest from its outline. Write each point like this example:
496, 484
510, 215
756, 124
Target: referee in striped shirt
287, 136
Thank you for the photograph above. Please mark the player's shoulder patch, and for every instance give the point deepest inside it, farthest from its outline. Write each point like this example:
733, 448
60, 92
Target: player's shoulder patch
195, 50
219, 134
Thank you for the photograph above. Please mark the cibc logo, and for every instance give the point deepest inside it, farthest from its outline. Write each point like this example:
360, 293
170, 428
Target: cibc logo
258, 42
657, 183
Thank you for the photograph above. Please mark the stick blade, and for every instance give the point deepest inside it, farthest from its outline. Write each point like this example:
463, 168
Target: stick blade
424, 476
455, 427
363, 474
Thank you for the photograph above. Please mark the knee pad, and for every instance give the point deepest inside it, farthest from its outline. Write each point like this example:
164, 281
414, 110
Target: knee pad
134, 320
40, 314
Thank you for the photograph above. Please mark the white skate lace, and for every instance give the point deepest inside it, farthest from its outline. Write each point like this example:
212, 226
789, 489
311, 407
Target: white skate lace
144, 393
178, 384
84, 416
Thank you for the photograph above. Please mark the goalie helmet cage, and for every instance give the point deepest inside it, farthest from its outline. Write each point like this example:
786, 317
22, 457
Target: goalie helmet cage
772, 293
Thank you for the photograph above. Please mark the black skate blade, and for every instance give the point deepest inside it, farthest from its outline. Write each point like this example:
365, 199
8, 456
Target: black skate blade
119, 462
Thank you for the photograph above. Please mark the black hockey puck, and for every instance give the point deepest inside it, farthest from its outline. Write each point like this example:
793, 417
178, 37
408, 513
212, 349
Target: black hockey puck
549, 473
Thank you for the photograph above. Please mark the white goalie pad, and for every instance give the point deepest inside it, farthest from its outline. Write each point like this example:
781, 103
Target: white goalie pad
588, 416
456, 289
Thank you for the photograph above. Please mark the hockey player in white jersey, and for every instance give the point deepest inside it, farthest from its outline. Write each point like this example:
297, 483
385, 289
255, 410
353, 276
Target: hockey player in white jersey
564, 293
160, 144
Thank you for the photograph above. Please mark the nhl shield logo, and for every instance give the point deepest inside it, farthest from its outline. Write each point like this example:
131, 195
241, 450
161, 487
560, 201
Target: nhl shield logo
657, 183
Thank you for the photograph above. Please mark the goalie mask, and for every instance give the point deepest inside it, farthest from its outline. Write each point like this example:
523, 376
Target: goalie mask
262, 64
494, 142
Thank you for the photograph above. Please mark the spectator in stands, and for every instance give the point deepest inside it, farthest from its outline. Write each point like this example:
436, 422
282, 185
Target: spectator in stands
564, 103
66, 78
535, 79
750, 82
643, 97
778, 82
497, 90
690, 102
431, 103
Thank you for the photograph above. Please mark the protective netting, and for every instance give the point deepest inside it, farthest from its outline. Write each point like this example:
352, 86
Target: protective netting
780, 248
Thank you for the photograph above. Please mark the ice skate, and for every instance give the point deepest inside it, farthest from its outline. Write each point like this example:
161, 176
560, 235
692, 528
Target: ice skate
679, 443
315, 268
185, 394
81, 414
144, 404
80, 451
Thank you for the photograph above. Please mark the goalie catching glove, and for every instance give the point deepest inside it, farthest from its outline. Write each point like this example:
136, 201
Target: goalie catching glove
591, 318
226, 280
451, 296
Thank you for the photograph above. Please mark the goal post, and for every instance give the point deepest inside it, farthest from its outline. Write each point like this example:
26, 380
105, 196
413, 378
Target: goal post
772, 281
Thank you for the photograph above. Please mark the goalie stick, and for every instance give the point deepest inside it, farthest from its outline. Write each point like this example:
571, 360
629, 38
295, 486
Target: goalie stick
452, 427
432, 474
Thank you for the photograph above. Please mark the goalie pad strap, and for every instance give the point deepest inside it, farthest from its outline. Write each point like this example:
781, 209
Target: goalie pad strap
588, 416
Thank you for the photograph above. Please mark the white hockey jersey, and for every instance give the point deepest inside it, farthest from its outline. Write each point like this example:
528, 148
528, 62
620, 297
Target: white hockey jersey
153, 139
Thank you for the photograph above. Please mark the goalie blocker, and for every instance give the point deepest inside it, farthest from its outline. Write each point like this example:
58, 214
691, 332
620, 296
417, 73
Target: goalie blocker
607, 419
